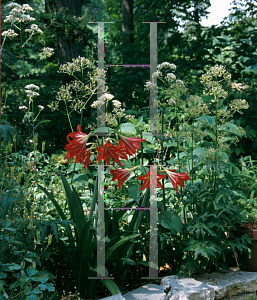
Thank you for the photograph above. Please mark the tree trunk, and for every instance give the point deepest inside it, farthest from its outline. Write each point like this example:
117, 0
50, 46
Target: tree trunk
127, 28
66, 48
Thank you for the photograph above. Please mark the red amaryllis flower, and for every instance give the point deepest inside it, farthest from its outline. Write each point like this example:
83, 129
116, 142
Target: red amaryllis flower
121, 175
77, 147
177, 178
131, 144
109, 150
150, 180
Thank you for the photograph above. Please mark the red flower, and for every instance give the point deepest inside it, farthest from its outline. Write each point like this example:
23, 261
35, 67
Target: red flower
177, 178
77, 147
131, 144
121, 175
150, 180
109, 150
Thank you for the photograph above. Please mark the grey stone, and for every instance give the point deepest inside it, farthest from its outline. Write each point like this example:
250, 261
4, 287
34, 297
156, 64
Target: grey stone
187, 288
146, 292
230, 283
114, 297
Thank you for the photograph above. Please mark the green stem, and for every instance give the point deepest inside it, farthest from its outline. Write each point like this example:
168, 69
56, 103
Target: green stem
68, 116
216, 148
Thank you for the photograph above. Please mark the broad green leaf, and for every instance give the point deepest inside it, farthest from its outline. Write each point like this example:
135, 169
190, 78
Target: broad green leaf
208, 119
127, 128
111, 286
3, 275
31, 271
149, 137
80, 177
27, 290
171, 221
134, 191
36, 291
14, 267
47, 286
32, 297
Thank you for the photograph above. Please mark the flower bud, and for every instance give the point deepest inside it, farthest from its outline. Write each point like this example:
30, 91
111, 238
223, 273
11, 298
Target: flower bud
30, 165
12, 172
50, 237
43, 146
19, 177
6, 150
38, 235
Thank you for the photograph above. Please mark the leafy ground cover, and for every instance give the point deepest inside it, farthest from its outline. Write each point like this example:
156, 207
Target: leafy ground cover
51, 223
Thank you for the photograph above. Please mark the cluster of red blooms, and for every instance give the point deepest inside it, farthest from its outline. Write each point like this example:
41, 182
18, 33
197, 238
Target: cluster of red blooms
126, 146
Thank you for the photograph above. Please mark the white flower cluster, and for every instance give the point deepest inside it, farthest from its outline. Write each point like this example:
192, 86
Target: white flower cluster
77, 65
10, 33
101, 100
29, 90
156, 74
48, 51
41, 107
170, 77
18, 13
171, 101
150, 85
166, 65
33, 28
116, 103
23, 107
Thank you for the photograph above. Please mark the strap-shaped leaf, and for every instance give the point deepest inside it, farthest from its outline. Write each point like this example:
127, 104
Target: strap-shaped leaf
120, 242
74, 205
111, 286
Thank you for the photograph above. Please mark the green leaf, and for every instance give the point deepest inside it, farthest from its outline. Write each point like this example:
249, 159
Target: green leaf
14, 267
47, 286
171, 221
149, 137
208, 119
31, 271
111, 286
44, 278
28, 259
36, 291
80, 177
229, 177
3, 275
27, 290
127, 128
32, 297
119, 243
134, 191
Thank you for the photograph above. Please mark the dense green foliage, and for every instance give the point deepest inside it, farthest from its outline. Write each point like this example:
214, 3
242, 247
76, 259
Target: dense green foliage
206, 109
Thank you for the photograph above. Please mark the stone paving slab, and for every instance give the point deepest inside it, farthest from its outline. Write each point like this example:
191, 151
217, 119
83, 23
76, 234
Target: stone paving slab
146, 292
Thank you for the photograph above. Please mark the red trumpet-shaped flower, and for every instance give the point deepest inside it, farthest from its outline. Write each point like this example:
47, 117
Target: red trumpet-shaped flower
121, 175
177, 178
131, 144
77, 142
151, 179
109, 150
